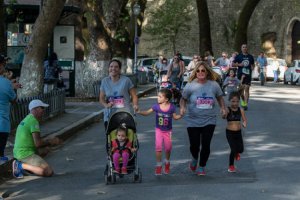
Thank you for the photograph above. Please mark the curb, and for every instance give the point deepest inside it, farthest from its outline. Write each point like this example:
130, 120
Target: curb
64, 134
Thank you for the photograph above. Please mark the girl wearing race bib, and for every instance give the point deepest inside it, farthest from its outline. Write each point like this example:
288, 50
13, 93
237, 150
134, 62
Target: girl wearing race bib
200, 98
165, 112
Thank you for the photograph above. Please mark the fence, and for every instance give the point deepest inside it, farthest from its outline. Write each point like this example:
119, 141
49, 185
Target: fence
55, 99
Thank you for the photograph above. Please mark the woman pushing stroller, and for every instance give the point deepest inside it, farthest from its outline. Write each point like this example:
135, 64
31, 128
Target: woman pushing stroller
116, 90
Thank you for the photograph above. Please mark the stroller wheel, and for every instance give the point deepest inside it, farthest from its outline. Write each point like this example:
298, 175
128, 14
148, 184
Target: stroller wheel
138, 177
113, 179
107, 179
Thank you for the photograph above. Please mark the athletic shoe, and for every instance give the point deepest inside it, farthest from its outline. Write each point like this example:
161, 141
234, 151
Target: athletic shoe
231, 169
17, 172
3, 159
237, 157
193, 165
158, 170
117, 171
124, 170
201, 171
167, 168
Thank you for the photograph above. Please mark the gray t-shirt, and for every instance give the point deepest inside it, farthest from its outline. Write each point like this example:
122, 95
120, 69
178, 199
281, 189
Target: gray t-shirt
118, 92
201, 103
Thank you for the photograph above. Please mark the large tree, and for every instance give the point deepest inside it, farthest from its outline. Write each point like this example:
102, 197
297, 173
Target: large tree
242, 26
204, 27
32, 70
107, 33
167, 21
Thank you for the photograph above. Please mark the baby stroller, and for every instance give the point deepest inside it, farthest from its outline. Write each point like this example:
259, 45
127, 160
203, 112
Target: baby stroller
114, 122
176, 94
160, 79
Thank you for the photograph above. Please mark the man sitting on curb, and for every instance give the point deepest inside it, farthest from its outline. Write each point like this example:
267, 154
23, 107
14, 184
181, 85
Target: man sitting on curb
28, 144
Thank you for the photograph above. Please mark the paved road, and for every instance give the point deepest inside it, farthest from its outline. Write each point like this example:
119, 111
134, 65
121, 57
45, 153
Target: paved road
269, 167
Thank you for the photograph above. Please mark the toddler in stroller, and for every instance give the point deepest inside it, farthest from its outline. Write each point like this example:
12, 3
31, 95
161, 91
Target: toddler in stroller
176, 94
122, 147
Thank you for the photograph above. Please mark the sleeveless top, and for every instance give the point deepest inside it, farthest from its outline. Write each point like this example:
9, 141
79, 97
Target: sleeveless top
174, 74
234, 115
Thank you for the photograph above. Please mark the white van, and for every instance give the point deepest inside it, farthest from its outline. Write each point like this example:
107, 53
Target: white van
270, 67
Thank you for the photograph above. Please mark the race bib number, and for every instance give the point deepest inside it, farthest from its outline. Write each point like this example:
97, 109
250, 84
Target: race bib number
163, 120
224, 68
246, 71
119, 102
231, 83
204, 102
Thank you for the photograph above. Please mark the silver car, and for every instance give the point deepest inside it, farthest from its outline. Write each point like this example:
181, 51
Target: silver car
292, 74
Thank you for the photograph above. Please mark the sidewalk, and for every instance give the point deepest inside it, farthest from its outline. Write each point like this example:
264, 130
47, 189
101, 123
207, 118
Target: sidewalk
78, 115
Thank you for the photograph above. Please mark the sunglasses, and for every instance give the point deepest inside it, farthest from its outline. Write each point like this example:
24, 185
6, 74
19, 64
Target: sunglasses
42, 107
202, 70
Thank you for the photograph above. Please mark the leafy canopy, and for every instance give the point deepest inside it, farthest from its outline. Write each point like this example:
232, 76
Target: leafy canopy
168, 19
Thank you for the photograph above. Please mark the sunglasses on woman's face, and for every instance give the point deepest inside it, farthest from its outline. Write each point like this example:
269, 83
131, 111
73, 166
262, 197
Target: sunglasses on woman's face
202, 70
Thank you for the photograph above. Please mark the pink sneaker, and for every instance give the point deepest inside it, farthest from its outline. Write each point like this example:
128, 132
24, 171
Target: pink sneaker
124, 170
158, 170
231, 169
201, 171
237, 157
193, 166
167, 168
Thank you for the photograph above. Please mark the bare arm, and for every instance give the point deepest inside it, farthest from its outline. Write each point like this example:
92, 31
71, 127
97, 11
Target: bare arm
244, 118
181, 64
146, 112
222, 106
134, 98
176, 116
182, 106
39, 142
169, 70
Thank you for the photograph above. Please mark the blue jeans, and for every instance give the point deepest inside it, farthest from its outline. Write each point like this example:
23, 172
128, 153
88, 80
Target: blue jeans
275, 72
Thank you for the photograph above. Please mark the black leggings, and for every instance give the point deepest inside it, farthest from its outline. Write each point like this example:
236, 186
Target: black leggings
235, 141
201, 136
3, 141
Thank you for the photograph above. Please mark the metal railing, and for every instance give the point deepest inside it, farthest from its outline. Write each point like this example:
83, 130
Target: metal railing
55, 99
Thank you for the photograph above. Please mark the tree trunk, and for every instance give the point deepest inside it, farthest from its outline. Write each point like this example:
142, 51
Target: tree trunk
242, 26
2, 28
32, 71
204, 27
95, 66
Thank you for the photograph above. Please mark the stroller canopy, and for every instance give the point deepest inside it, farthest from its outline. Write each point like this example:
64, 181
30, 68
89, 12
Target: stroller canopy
120, 117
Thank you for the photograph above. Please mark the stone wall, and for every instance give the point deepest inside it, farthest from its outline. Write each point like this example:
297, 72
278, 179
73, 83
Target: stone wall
276, 16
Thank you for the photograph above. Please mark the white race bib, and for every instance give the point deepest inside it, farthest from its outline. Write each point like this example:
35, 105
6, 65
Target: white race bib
119, 102
245, 71
204, 102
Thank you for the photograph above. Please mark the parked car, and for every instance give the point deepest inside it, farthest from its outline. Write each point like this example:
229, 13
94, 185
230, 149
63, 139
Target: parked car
186, 60
146, 65
292, 74
270, 67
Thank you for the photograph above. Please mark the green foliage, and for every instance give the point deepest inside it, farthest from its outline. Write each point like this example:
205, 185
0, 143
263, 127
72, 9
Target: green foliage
168, 20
